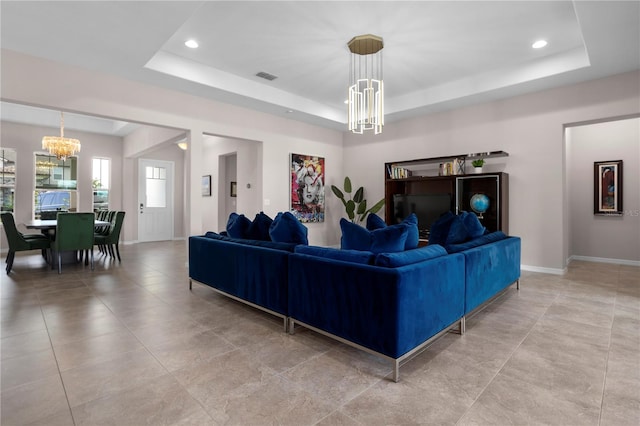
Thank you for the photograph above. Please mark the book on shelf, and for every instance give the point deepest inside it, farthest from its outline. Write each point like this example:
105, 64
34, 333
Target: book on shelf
397, 172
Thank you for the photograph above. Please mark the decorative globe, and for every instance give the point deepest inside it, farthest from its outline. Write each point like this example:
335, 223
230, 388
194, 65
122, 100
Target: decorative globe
479, 204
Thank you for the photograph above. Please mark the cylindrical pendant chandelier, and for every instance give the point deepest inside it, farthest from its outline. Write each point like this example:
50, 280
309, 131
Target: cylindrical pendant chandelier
366, 88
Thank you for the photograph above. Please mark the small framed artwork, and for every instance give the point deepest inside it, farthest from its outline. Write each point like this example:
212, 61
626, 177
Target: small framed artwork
234, 189
607, 188
206, 186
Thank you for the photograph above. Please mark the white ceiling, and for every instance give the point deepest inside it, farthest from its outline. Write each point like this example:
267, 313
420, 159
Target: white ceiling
437, 55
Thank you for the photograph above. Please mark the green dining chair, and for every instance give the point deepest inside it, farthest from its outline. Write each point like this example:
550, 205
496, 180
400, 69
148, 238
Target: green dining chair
107, 242
22, 242
74, 231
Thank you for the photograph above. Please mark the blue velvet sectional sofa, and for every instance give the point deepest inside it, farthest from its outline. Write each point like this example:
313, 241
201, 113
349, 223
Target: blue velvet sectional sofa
251, 271
384, 305
390, 304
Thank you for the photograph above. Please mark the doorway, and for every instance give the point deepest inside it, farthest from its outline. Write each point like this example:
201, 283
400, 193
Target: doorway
155, 200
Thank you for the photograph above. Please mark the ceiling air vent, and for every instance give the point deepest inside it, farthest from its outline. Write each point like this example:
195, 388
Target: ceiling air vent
266, 76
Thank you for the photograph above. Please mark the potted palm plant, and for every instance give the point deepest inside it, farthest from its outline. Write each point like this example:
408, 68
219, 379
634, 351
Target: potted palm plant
356, 206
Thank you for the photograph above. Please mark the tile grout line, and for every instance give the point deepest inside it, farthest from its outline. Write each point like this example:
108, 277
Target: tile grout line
55, 357
507, 360
606, 365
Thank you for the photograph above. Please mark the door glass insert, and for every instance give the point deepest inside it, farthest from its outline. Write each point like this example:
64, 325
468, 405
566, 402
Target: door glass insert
156, 181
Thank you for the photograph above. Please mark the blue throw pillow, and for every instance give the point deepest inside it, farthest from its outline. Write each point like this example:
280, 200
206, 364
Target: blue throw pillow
390, 239
384, 240
375, 222
408, 257
413, 236
285, 228
354, 236
473, 225
259, 228
440, 229
237, 225
353, 256
457, 231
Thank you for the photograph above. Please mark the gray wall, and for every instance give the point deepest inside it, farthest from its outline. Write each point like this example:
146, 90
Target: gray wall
610, 238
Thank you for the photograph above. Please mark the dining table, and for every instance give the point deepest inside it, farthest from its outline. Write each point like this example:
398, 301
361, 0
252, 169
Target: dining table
45, 225
48, 227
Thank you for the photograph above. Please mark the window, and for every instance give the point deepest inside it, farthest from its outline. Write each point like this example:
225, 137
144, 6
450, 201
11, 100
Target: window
56, 185
101, 173
156, 186
7, 179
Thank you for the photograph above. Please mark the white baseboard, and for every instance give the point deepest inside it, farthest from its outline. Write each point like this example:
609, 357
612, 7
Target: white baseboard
605, 260
554, 271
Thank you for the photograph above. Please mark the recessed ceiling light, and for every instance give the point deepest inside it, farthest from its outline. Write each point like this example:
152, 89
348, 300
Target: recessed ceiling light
289, 111
539, 44
191, 44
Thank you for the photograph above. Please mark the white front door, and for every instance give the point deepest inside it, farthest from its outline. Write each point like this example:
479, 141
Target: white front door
155, 200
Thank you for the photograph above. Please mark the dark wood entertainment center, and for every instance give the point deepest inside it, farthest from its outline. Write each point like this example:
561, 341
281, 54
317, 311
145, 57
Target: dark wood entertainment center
420, 177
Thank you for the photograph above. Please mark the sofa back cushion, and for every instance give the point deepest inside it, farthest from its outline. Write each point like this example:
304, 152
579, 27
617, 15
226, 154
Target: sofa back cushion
375, 222
259, 243
476, 242
353, 256
385, 240
287, 229
408, 257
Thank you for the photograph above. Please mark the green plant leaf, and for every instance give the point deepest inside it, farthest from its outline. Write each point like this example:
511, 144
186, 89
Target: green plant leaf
376, 207
347, 185
337, 191
362, 207
359, 195
350, 207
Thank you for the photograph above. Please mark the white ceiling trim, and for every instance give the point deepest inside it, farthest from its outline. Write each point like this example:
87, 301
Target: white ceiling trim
187, 69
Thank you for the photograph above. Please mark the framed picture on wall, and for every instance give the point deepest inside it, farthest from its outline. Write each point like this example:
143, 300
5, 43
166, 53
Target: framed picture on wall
206, 186
607, 188
306, 192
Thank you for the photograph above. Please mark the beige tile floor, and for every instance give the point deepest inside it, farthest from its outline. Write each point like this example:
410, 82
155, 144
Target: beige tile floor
129, 344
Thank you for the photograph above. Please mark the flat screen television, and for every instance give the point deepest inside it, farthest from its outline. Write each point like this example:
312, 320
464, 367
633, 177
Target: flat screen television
427, 207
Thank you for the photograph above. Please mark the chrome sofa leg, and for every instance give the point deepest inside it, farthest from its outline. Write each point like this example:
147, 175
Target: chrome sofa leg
396, 370
518, 284
286, 324
292, 325
190, 284
463, 325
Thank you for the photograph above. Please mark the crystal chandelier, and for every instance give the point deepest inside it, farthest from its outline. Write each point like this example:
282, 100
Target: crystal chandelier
60, 146
366, 90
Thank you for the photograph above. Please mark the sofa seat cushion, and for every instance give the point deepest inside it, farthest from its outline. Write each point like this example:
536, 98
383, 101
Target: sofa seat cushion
259, 243
375, 222
408, 257
285, 228
476, 242
385, 240
353, 256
